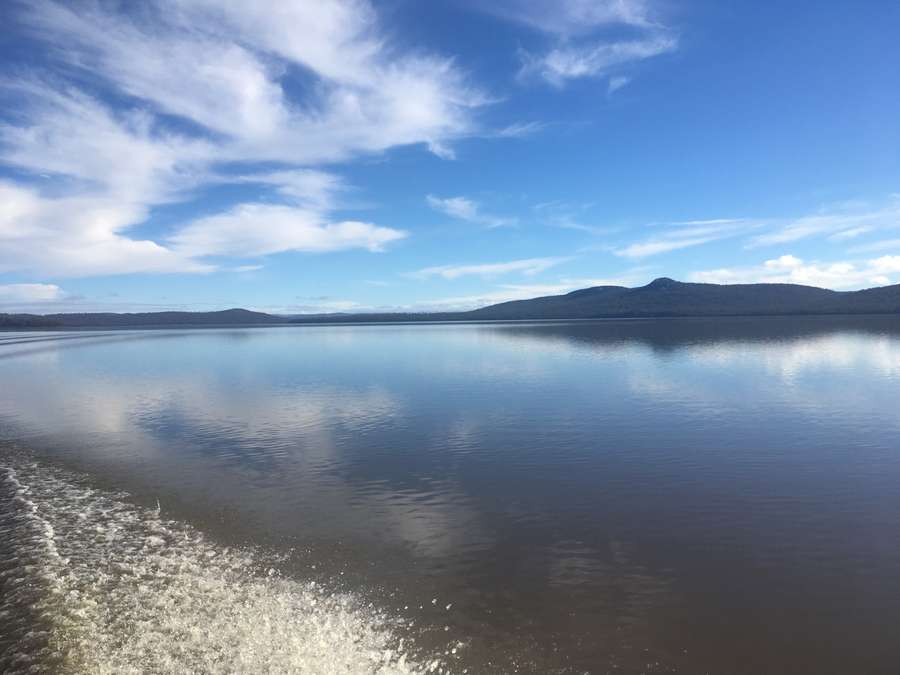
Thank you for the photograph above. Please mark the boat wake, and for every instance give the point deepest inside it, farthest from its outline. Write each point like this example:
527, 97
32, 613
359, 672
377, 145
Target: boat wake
90, 583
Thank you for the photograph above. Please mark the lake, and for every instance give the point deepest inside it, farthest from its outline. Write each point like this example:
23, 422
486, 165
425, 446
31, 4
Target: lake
687, 496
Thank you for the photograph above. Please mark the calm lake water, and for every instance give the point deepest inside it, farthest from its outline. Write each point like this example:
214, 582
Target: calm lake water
690, 496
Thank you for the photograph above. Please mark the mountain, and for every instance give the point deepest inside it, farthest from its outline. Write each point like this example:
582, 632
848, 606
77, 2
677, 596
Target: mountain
661, 298
667, 297
26, 321
228, 317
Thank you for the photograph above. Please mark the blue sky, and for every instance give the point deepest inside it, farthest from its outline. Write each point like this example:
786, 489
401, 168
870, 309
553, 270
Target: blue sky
339, 155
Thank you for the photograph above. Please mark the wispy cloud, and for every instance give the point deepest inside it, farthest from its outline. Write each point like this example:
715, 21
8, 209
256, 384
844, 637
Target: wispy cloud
467, 209
841, 274
569, 216
708, 222
566, 62
851, 233
520, 129
616, 83
882, 245
838, 224
197, 86
684, 234
579, 35
656, 246
572, 18
528, 267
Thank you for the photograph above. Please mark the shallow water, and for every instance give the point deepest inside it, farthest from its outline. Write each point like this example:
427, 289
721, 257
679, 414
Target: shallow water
612, 496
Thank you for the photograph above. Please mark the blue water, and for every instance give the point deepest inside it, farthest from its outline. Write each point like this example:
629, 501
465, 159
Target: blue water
614, 496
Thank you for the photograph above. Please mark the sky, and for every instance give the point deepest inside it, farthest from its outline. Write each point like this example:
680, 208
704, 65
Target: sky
312, 156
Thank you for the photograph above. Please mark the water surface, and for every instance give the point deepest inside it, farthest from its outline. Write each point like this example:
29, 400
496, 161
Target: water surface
612, 496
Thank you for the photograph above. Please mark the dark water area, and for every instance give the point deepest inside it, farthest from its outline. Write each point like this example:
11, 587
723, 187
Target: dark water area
686, 496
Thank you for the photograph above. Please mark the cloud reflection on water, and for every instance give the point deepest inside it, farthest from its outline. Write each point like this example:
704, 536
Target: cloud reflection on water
544, 468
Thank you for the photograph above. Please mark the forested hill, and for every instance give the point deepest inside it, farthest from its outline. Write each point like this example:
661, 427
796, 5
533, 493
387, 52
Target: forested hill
666, 297
226, 317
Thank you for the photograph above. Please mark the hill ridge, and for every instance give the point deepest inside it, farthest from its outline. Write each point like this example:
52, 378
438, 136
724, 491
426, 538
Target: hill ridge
662, 297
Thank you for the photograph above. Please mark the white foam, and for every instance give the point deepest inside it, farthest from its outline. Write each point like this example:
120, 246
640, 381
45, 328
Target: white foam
92, 583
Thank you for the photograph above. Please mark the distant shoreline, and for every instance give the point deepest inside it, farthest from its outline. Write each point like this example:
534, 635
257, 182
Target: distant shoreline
438, 322
661, 299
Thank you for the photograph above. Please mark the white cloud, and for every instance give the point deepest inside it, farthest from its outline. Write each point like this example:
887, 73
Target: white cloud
458, 207
838, 224
576, 50
571, 216
570, 18
616, 83
789, 269
685, 235
657, 246
28, 293
886, 264
528, 267
77, 236
221, 66
105, 171
800, 229
785, 262
883, 245
709, 221
313, 188
253, 230
98, 169
850, 233
303, 224
520, 129
467, 209
567, 62
66, 134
